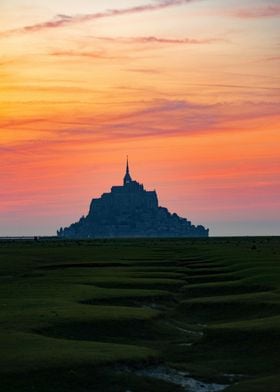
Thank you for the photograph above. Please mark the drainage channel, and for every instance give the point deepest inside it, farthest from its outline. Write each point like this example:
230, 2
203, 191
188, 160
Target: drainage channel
176, 377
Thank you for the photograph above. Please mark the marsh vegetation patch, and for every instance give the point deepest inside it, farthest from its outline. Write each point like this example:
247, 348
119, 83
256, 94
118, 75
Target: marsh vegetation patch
198, 312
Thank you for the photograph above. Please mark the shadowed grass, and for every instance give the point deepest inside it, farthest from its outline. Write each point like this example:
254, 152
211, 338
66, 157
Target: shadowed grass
208, 306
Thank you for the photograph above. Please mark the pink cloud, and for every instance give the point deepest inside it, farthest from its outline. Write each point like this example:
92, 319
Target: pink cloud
268, 11
63, 20
161, 40
273, 58
78, 53
160, 118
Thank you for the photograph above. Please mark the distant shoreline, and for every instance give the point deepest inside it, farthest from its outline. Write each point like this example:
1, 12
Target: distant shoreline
42, 238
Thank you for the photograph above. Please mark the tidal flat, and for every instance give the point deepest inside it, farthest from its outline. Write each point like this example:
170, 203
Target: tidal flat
140, 315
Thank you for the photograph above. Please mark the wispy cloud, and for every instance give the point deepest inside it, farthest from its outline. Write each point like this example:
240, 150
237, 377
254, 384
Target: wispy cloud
160, 40
172, 117
268, 11
15, 123
63, 20
79, 53
153, 71
149, 40
159, 118
273, 58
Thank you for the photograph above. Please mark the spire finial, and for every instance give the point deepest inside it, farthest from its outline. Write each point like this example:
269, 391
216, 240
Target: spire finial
127, 179
127, 166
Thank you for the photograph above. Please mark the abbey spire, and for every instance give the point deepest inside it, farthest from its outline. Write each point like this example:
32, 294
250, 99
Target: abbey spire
127, 179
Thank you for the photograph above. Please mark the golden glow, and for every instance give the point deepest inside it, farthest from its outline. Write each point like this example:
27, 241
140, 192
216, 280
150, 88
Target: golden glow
195, 105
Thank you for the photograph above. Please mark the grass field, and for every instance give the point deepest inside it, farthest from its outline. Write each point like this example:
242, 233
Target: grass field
82, 316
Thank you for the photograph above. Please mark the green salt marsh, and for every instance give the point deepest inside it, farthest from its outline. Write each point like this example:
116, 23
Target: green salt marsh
73, 313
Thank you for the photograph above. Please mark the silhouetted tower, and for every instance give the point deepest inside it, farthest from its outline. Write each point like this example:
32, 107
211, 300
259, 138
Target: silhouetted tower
127, 179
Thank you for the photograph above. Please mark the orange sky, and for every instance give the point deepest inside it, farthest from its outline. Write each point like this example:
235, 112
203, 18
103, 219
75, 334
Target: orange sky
189, 89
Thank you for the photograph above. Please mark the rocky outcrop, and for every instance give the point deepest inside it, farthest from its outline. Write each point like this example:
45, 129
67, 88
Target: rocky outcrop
130, 211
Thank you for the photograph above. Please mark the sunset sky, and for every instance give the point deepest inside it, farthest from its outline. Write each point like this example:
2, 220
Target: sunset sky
188, 89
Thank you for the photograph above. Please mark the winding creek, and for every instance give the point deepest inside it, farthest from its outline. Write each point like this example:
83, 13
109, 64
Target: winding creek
176, 377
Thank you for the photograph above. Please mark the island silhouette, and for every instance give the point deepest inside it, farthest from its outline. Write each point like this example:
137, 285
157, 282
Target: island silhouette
130, 211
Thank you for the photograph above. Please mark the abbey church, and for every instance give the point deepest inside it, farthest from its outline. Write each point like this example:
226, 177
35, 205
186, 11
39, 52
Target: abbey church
130, 211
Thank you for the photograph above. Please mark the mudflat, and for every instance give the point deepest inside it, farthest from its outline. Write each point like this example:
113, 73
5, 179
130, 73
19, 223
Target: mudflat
140, 315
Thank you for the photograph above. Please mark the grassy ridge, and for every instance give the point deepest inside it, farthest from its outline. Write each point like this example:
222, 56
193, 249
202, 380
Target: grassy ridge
79, 308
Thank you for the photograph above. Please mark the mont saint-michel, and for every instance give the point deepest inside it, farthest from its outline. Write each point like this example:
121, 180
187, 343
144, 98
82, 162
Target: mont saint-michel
130, 211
